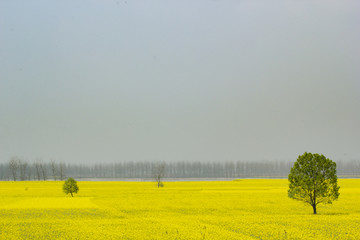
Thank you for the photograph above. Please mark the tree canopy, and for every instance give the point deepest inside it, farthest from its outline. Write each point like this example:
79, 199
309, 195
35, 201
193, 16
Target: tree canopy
313, 180
70, 186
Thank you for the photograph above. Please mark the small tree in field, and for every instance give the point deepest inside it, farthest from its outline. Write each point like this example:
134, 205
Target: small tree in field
159, 172
70, 186
313, 180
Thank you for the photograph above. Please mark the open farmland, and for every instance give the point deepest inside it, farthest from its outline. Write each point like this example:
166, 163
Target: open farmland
242, 209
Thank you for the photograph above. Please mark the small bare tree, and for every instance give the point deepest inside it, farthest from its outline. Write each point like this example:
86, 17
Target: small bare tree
62, 171
14, 166
29, 172
53, 169
159, 172
43, 170
23, 169
37, 170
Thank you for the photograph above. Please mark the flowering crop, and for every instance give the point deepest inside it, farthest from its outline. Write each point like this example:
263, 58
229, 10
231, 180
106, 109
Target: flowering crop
242, 209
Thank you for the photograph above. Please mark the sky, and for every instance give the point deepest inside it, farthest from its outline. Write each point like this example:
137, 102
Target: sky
168, 80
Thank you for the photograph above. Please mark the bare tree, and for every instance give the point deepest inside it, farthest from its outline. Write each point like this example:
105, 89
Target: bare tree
37, 170
53, 169
43, 170
159, 171
23, 169
29, 172
62, 171
14, 166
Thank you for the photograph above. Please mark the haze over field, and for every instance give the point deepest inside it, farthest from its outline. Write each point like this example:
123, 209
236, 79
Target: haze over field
105, 81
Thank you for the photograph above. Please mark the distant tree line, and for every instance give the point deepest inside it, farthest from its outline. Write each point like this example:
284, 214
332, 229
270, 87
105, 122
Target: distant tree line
19, 170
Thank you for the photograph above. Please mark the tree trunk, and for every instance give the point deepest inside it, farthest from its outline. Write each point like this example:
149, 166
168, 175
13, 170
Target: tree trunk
314, 208
71, 194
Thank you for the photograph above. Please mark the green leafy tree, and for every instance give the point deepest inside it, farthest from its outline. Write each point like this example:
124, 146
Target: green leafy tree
70, 186
313, 180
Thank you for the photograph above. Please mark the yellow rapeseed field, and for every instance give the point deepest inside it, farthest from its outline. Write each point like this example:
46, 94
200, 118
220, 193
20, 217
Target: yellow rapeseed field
242, 209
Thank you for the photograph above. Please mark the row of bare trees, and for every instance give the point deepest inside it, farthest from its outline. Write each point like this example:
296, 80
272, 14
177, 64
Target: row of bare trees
39, 170
18, 169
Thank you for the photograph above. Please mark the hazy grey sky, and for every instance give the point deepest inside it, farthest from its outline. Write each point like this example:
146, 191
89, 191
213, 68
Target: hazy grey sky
91, 81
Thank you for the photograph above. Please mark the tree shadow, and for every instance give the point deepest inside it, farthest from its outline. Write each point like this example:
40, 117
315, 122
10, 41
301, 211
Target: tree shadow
333, 213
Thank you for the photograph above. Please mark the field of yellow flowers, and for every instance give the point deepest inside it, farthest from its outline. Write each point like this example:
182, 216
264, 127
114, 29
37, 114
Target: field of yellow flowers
240, 209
